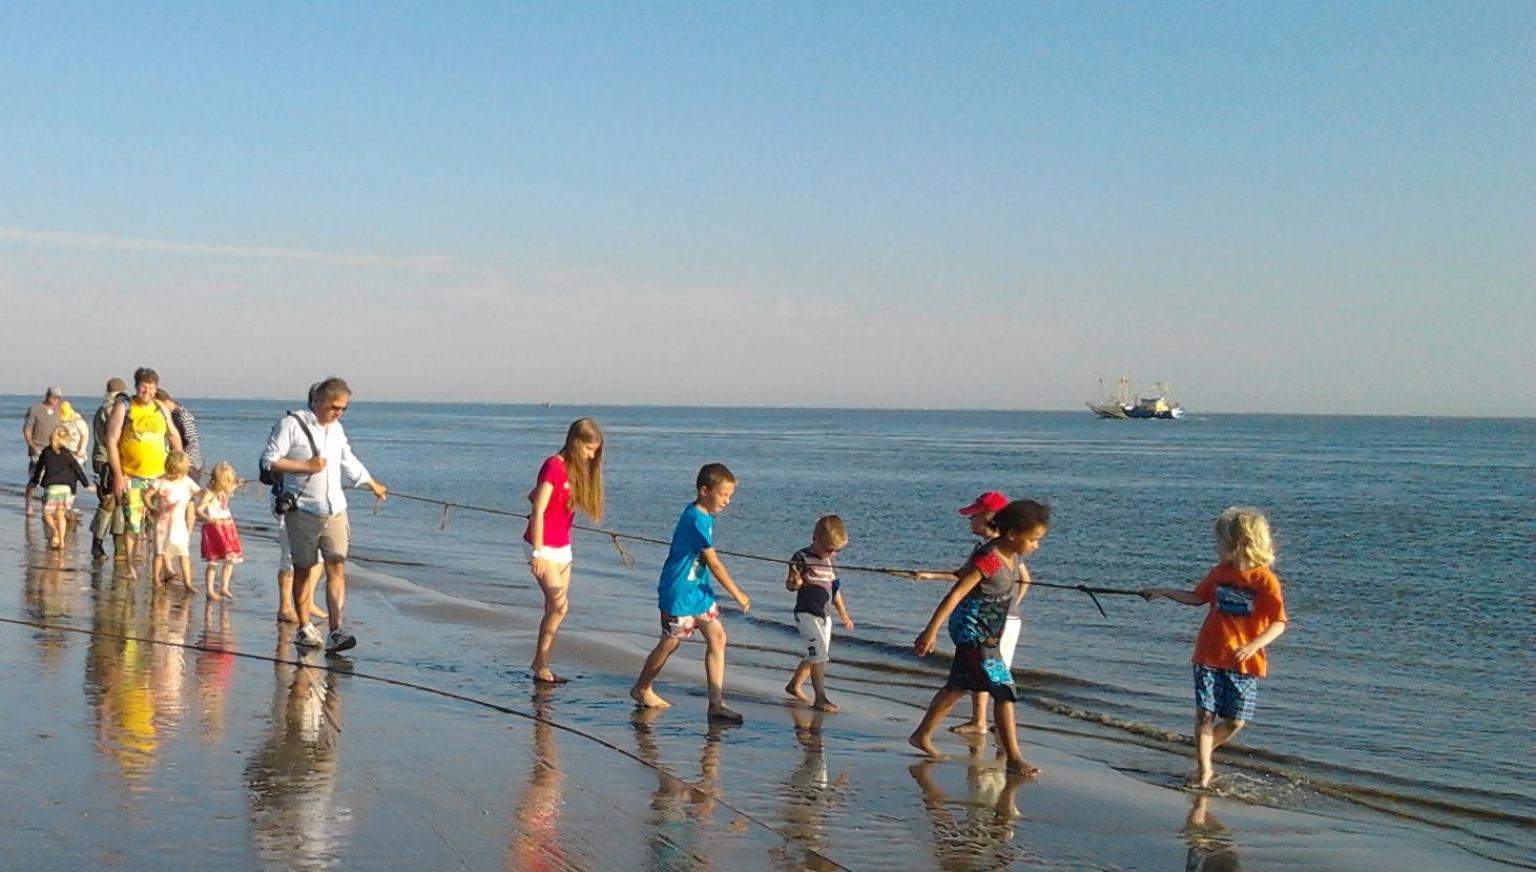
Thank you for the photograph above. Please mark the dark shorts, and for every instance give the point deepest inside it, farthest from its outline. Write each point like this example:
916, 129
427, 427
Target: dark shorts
978, 668
1228, 695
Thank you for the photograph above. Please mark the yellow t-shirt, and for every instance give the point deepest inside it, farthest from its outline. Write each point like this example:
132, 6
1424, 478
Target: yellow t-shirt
142, 448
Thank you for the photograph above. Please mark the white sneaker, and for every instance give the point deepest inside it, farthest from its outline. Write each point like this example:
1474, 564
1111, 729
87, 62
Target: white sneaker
339, 640
308, 637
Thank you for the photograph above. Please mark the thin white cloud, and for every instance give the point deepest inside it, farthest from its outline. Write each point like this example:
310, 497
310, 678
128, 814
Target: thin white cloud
420, 263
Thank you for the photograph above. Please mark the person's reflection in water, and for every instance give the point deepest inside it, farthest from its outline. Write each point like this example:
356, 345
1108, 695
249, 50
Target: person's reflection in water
536, 841
170, 617
684, 836
117, 683
298, 820
982, 839
1211, 847
49, 590
809, 793
215, 668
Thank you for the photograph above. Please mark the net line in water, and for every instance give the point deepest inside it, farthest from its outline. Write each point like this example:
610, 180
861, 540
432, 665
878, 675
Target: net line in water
617, 538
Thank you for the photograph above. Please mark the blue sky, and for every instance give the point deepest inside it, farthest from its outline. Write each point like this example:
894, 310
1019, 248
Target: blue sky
1275, 207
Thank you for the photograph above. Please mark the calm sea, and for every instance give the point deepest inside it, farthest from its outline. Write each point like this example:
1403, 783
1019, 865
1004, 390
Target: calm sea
1404, 683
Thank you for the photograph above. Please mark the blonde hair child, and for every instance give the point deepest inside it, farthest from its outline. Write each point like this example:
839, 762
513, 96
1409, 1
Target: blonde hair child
813, 577
221, 540
170, 499
1245, 613
569, 481
57, 470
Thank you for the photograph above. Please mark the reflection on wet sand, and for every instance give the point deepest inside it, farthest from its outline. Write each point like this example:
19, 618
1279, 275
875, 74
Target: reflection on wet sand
215, 668
536, 841
809, 793
298, 819
52, 578
1211, 846
117, 683
683, 832
981, 838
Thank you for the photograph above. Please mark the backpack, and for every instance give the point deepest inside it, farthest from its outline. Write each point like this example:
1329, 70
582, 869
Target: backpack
275, 479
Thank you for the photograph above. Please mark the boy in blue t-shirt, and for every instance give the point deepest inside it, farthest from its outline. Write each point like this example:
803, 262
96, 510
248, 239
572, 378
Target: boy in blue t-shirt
686, 599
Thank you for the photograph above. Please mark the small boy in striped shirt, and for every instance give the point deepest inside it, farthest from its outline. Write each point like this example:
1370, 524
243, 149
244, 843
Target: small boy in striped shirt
813, 577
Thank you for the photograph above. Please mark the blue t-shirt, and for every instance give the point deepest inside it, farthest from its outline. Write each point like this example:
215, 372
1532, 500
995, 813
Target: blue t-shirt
684, 587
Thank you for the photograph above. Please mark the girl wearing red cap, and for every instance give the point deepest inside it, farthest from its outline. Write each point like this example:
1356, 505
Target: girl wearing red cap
981, 512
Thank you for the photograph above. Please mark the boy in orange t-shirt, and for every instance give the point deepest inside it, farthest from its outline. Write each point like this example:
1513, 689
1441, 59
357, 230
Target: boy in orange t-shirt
1247, 612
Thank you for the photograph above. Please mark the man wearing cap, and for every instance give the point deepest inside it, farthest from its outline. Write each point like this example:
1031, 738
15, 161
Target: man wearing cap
108, 521
37, 429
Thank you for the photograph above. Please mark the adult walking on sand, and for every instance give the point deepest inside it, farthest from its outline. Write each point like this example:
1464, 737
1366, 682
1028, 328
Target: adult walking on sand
36, 430
108, 521
309, 449
568, 481
139, 438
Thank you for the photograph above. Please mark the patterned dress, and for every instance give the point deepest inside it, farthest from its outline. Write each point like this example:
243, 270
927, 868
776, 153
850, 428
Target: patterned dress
976, 628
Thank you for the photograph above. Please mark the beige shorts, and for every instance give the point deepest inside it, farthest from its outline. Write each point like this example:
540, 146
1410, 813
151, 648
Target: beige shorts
311, 537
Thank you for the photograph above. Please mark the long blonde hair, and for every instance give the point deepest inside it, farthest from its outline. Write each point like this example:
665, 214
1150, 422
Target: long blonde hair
223, 480
585, 476
1243, 537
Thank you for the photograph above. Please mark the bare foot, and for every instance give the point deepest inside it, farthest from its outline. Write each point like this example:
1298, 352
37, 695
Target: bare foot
213, 595
317, 613
825, 705
287, 618
925, 744
549, 678
725, 714
969, 728
648, 698
227, 593
1022, 769
1199, 780
797, 691
189, 586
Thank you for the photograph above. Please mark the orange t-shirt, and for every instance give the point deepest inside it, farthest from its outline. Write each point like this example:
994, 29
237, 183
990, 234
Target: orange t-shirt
1243, 604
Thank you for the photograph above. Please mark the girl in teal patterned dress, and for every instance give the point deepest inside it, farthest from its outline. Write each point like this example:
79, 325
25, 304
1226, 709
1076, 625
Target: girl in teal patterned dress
977, 609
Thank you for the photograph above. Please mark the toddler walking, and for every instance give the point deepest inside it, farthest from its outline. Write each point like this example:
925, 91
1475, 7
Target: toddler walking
813, 577
221, 540
687, 601
170, 499
976, 609
58, 472
1246, 612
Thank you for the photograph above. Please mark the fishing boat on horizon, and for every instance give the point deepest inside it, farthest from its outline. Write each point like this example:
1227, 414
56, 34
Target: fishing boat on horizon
1150, 403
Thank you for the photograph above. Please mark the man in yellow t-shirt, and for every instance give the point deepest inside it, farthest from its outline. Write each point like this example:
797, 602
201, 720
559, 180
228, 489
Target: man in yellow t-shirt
139, 436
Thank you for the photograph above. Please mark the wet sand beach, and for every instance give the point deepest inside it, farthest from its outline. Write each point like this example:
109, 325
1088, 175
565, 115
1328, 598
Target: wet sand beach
149, 728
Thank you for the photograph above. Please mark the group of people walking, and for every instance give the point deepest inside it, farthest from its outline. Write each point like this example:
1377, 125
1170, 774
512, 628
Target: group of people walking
143, 466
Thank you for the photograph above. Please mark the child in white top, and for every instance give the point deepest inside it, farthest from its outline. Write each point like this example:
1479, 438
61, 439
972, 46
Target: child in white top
221, 541
170, 499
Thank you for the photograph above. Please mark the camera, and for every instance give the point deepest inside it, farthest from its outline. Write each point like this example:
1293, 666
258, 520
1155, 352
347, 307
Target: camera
284, 502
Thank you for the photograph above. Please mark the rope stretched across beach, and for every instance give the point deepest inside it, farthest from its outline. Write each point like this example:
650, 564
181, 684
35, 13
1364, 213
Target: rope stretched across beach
1092, 591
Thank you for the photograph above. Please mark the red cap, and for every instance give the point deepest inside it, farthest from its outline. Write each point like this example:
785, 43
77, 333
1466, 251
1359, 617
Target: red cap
991, 501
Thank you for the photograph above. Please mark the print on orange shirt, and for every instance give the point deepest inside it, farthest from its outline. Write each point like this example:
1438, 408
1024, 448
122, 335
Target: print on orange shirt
1243, 603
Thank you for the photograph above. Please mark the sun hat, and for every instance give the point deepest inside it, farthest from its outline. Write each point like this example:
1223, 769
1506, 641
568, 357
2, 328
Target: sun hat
991, 501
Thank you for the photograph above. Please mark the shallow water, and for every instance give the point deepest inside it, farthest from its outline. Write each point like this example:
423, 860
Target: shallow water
1397, 685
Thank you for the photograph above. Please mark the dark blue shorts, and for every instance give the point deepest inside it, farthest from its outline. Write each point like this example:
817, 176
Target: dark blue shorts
1229, 695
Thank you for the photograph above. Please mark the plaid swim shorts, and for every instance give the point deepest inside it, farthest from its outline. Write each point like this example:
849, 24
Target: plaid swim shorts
683, 626
1228, 695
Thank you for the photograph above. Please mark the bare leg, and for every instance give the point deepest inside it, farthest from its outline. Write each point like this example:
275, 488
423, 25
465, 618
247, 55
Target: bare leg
335, 591
304, 578
50, 528
977, 725
1008, 739
286, 612
643, 692
714, 672
156, 570
922, 737
819, 683
208, 576
796, 685
229, 571
26, 498
556, 585
186, 574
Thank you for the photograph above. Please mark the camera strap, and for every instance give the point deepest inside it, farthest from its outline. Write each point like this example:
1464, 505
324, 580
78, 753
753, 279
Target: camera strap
314, 449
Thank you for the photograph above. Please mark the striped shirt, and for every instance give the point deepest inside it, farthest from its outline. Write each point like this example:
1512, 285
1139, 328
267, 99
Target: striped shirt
818, 582
186, 425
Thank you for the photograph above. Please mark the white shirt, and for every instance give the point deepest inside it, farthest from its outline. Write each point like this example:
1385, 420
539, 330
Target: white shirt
320, 493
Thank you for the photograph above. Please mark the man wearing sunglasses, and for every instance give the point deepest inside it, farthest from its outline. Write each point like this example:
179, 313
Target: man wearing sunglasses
309, 449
